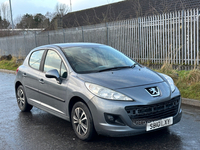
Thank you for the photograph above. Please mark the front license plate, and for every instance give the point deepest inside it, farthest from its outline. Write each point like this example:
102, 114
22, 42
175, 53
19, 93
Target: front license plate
159, 124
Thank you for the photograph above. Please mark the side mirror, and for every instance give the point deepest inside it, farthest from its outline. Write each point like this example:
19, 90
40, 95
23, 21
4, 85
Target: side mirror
53, 74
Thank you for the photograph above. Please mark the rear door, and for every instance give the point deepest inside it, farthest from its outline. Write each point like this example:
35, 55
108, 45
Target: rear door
30, 75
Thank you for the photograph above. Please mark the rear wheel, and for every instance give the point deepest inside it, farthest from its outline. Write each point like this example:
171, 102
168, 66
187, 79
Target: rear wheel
21, 99
82, 122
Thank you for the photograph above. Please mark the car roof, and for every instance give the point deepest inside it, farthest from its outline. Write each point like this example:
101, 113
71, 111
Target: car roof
64, 45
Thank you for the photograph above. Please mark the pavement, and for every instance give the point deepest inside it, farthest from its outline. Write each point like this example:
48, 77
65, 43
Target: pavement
8, 71
185, 101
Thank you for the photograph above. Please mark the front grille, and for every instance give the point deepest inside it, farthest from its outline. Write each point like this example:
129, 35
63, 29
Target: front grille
140, 115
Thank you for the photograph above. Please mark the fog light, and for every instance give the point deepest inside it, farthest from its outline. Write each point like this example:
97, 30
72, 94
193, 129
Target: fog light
113, 119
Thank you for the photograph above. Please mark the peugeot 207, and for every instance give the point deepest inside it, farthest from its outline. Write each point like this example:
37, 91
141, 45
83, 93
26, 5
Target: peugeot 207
98, 89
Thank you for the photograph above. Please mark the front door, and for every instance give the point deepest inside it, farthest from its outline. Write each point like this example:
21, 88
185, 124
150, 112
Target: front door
53, 94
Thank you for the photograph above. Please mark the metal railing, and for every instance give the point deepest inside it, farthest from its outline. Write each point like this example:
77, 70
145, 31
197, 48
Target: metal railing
172, 37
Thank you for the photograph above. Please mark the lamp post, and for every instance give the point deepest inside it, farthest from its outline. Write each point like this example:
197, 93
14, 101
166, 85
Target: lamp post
70, 6
11, 15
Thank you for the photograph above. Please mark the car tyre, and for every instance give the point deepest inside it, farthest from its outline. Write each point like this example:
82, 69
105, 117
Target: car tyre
22, 100
82, 122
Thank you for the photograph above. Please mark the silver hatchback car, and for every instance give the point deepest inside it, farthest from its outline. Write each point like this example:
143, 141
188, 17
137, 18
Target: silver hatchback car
98, 89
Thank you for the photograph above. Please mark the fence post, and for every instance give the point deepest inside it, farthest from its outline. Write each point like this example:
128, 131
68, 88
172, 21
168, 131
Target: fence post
35, 40
48, 38
198, 35
7, 46
82, 34
15, 47
139, 32
64, 34
107, 33
24, 42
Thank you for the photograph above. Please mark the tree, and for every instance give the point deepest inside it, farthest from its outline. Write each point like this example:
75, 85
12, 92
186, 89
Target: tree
26, 22
41, 21
4, 24
5, 11
17, 19
37, 21
50, 15
61, 9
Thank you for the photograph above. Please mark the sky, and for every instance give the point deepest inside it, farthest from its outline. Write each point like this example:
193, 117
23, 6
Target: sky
21, 7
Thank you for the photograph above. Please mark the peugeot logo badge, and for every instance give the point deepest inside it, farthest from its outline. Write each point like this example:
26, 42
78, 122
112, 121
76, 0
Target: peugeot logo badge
153, 91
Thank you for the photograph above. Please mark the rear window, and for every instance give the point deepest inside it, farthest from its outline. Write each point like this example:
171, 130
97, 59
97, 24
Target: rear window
35, 59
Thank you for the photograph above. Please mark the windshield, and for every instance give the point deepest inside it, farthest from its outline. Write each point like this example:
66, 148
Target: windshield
96, 59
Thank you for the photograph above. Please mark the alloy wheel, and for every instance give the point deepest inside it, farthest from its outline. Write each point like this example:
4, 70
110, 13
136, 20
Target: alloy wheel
20, 98
80, 121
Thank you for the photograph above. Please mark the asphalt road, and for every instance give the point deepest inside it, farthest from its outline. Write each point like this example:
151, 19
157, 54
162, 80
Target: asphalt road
38, 130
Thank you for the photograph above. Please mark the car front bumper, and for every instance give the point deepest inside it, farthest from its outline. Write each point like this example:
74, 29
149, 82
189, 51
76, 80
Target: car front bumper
99, 107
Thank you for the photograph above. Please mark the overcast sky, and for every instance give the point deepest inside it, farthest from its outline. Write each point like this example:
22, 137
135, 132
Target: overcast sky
21, 7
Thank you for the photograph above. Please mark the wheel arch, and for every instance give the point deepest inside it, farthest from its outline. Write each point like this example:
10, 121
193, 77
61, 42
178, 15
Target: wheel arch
17, 84
73, 101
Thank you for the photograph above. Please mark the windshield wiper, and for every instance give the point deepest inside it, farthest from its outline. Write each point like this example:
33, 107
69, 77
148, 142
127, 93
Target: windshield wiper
115, 68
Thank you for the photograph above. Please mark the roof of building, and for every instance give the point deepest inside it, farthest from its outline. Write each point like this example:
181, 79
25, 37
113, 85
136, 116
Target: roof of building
125, 10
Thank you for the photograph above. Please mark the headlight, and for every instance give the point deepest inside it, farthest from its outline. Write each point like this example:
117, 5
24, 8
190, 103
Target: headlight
170, 81
106, 93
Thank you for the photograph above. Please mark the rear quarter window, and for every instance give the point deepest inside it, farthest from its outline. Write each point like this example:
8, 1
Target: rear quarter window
35, 59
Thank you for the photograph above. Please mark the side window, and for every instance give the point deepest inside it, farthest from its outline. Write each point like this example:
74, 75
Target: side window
52, 61
35, 59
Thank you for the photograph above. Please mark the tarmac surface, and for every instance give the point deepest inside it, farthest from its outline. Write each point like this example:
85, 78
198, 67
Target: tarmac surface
42, 131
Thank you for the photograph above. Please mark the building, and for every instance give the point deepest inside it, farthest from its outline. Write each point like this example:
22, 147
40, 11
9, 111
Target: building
125, 10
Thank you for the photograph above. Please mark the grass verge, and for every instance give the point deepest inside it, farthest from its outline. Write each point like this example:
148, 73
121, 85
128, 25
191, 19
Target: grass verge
9, 64
188, 82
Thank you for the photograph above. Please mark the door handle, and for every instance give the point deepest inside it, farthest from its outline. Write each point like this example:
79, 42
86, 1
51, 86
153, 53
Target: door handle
24, 74
41, 81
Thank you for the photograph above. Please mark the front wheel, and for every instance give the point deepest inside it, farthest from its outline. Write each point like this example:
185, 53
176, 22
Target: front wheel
82, 122
21, 99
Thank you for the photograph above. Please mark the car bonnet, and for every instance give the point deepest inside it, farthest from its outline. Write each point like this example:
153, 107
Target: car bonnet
123, 78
